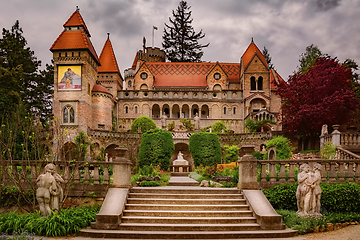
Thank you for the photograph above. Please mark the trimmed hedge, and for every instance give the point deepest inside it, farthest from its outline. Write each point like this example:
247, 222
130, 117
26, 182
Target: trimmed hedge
156, 148
144, 123
341, 197
205, 148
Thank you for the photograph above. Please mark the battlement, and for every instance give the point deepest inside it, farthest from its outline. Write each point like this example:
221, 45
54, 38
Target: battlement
149, 54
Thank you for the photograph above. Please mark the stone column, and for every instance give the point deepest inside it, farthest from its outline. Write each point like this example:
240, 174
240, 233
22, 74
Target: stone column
336, 135
122, 169
248, 170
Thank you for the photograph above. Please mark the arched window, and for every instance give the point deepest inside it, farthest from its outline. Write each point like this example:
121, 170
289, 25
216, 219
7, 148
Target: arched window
68, 114
224, 110
234, 110
253, 83
260, 83
136, 109
129, 84
126, 109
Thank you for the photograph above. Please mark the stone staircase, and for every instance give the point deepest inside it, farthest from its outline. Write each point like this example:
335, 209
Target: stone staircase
187, 213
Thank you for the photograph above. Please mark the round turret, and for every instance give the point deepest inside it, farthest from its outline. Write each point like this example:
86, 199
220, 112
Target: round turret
102, 106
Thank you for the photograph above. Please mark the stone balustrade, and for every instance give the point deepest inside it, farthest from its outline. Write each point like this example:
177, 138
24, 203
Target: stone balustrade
81, 178
350, 139
345, 154
179, 168
274, 172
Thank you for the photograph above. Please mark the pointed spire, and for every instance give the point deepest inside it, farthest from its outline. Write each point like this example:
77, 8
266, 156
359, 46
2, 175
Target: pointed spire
107, 58
250, 52
252, 40
76, 20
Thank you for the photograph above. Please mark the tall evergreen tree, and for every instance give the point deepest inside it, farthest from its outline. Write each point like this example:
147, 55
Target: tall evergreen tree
180, 40
267, 56
308, 58
20, 78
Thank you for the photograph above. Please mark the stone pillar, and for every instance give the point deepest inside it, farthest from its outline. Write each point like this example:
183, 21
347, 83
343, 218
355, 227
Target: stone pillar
122, 169
336, 135
248, 170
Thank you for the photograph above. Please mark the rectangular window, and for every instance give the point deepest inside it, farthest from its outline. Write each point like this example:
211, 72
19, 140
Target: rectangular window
101, 126
224, 110
89, 89
234, 110
60, 54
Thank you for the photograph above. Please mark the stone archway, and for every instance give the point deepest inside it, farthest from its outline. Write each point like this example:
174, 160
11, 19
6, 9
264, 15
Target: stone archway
184, 148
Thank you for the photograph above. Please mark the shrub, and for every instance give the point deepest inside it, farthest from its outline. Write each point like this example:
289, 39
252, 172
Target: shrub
283, 147
218, 127
258, 155
341, 197
144, 123
302, 224
156, 148
232, 153
187, 124
149, 184
171, 126
328, 151
205, 148
253, 126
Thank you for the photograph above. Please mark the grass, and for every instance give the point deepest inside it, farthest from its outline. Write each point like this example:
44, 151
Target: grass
67, 221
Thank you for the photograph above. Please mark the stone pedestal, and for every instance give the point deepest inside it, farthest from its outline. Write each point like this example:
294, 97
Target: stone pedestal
247, 170
122, 169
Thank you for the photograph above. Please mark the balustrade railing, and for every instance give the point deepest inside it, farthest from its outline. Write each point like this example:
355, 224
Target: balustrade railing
345, 154
350, 139
81, 178
274, 172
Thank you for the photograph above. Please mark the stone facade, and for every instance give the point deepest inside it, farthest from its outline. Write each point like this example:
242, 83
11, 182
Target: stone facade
231, 92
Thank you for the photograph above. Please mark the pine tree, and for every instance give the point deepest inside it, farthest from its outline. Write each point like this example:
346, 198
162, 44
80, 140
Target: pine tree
267, 56
20, 78
180, 40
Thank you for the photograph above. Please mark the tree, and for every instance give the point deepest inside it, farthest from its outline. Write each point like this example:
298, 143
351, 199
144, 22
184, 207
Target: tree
308, 58
144, 123
320, 96
267, 56
156, 148
20, 77
180, 40
353, 66
205, 149
283, 147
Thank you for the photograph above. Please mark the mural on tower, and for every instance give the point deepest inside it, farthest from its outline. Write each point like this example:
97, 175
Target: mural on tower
69, 77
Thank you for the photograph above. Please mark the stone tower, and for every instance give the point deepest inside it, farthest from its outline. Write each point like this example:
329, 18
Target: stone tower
75, 71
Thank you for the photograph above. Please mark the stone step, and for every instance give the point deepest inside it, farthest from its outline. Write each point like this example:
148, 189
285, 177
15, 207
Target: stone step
180, 174
188, 227
185, 196
187, 220
182, 190
186, 201
164, 213
187, 207
189, 235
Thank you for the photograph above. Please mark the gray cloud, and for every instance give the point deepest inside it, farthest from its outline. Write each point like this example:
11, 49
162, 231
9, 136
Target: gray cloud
286, 27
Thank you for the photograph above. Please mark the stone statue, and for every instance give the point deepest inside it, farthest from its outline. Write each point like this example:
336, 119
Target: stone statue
163, 121
180, 161
180, 156
197, 121
324, 130
49, 193
308, 193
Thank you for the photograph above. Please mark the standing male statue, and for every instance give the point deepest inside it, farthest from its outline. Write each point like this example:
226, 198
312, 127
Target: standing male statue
197, 121
163, 121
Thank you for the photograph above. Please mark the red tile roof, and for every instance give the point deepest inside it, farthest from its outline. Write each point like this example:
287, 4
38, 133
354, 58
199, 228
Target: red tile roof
135, 61
76, 20
108, 59
184, 74
249, 54
74, 40
275, 79
100, 88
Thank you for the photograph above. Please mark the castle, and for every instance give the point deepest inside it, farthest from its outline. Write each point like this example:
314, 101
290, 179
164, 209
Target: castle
89, 94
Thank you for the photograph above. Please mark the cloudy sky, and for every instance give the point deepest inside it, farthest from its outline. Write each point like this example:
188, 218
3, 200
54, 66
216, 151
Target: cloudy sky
285, 27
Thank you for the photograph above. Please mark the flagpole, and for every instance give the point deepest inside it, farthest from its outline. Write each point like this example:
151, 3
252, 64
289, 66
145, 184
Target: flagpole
153, 37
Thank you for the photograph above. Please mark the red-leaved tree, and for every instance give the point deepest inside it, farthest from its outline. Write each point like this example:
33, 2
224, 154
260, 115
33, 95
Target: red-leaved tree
320, 96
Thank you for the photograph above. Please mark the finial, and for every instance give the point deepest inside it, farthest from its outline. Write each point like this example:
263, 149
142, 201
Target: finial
252, 40
77, 9
108, 35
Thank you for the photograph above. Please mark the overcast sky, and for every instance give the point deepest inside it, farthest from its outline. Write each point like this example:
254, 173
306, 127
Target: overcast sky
285, 27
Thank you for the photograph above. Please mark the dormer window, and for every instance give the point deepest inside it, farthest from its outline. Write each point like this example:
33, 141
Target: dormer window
217, 76
143, 75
